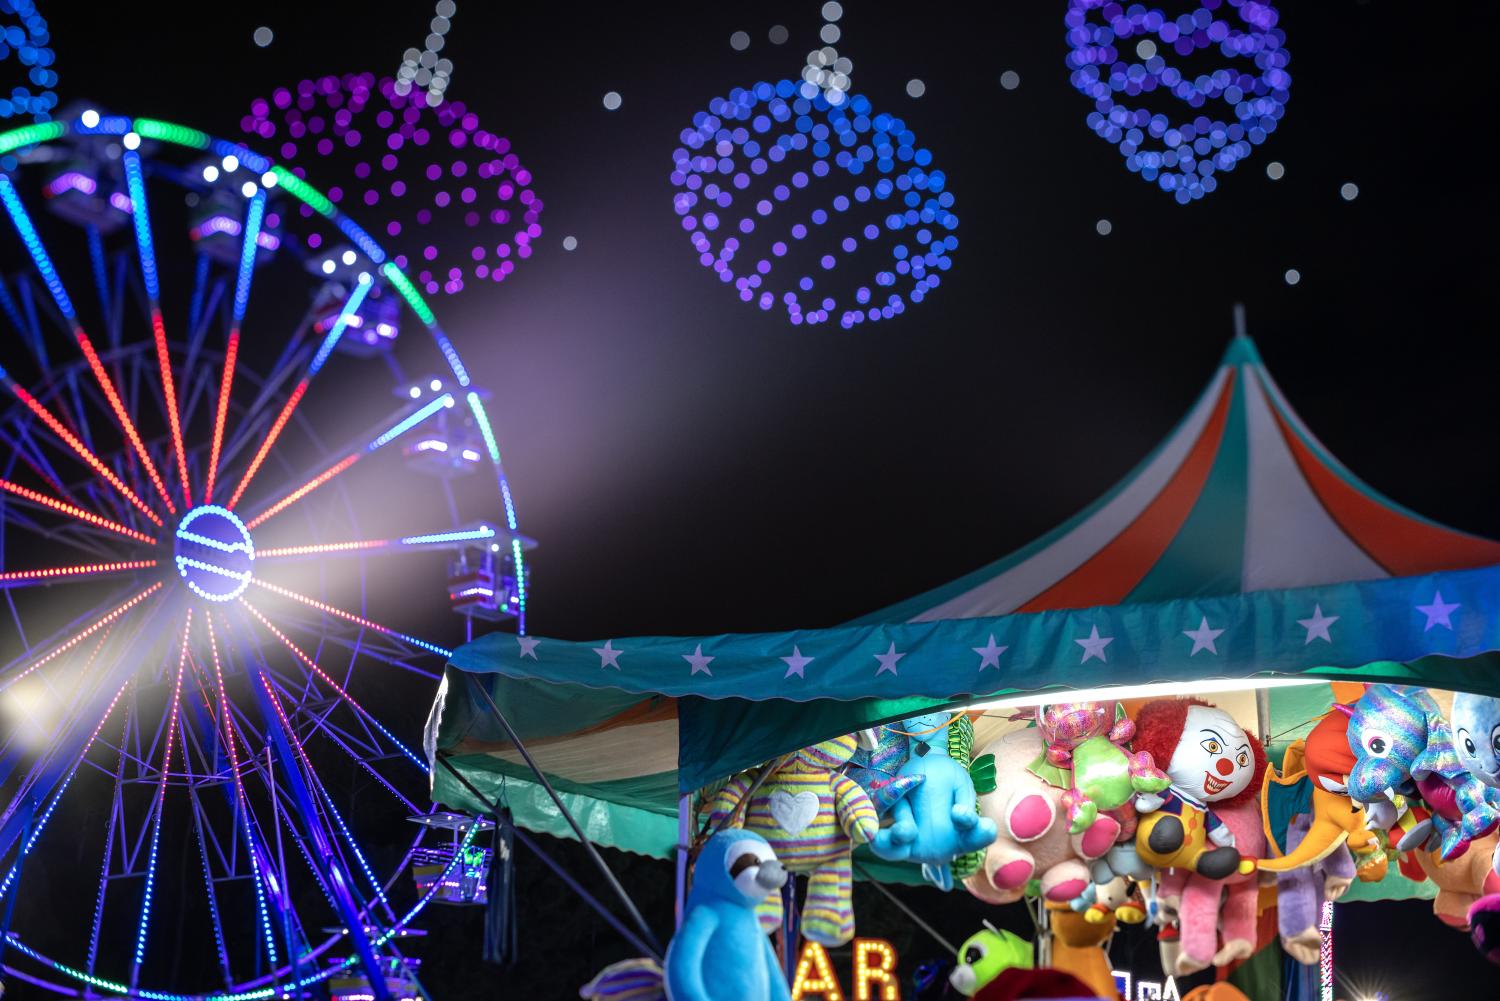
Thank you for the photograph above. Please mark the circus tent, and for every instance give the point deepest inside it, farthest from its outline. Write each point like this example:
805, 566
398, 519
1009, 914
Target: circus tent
1240, 551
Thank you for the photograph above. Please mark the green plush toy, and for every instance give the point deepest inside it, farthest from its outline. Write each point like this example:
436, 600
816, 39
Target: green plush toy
987, 954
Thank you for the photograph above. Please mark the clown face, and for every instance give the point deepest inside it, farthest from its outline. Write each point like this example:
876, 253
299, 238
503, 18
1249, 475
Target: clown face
1213, 760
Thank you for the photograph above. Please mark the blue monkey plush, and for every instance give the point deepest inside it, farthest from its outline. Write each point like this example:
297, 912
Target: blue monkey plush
720, 952
937, 820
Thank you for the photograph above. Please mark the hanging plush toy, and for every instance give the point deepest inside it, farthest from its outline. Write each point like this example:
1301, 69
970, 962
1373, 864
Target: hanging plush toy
937, 820
1212, 764
812, 816
876, 766
1089, 740
1461, 882
1476, 736
1217, 916
1484, 927
1033, 840
1403, 747
985, 955
1119, 897
720, 952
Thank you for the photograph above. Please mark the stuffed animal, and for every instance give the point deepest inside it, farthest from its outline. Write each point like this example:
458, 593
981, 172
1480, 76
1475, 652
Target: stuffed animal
1484, 926
812, 816
1314, 781
1033, 840
1089, 740
720, 953
1080, 948
1403, 746
1217, 916
937, 820
1212, 763
1460, 882
985, 955
1476, 736
876, 766
1300, 893
1118, 897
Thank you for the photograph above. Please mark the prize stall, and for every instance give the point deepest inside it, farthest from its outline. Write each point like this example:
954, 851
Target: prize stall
1239, 564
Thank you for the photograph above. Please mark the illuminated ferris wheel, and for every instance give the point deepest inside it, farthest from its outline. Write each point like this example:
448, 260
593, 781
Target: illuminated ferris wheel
233, 531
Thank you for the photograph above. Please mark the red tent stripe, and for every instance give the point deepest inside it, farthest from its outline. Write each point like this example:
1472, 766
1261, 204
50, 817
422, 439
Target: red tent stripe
1108, 576
1404, 546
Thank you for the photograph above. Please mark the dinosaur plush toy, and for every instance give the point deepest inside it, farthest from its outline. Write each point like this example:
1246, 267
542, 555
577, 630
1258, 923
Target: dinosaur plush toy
1212, 763
936, 821
1089, 740
720, 953
812, 816
1402, 746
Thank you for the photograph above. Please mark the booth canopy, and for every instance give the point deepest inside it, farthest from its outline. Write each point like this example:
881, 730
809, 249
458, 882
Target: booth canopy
1239, 549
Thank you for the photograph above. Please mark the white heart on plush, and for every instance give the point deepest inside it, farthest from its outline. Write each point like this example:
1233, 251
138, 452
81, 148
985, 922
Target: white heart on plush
794, 813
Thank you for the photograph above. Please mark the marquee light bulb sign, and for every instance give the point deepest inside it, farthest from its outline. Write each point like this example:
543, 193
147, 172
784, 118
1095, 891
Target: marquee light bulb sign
1214, 117
875, 976
812, 204
456, 201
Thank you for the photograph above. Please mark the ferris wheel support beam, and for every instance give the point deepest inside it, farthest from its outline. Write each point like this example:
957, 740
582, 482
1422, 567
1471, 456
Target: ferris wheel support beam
335, 878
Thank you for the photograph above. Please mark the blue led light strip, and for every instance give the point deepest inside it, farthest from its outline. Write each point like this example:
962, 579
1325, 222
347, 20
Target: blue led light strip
465, 535
137, 186
253, 215
476, 405
411, 421
351, 306
33, 242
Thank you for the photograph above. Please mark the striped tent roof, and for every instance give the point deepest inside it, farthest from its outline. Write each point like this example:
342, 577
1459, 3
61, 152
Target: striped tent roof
1240, 497
1240, 527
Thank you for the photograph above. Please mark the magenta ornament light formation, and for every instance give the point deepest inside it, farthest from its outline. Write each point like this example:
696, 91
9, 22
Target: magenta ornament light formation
824, 212
456, 203
1219, 113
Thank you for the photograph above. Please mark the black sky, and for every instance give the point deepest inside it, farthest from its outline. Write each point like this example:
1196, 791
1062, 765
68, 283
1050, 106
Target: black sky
691, 465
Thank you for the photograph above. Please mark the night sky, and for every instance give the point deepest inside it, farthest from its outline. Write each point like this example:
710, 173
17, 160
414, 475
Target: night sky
692, 465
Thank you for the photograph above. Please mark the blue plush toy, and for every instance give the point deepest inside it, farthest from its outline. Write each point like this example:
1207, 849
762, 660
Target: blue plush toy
937, 819
720, 953
1476, 735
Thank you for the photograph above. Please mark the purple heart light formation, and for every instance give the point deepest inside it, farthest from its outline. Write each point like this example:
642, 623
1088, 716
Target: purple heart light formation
827, 212
1180, 123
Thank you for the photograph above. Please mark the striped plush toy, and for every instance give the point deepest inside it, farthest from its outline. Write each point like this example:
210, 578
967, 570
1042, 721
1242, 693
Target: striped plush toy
812, 816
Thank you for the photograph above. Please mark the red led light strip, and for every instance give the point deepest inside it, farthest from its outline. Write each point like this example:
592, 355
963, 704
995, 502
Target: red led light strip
304, 490
231, 352
169, 394
327, 547
75, 512
81, 570
85, 634
265, 446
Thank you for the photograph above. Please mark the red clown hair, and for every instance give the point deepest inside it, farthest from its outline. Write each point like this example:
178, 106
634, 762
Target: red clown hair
1158, 730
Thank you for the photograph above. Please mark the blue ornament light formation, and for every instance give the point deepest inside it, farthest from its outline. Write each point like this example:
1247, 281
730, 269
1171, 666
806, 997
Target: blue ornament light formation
828, 212
24, 38
1181, 157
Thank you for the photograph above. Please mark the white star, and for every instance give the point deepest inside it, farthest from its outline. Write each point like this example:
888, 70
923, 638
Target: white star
888, 660
608, 655
1438, 613
528, 646
796, 663
989, 654
698, 661
1317, 626
1094, 645
1203, 637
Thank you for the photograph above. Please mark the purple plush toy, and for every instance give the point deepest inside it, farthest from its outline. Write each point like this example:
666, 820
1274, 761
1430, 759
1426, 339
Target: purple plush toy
1484, 926
1300, 894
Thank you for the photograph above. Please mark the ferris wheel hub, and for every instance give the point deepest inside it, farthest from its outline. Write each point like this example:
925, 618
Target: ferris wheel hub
213, 553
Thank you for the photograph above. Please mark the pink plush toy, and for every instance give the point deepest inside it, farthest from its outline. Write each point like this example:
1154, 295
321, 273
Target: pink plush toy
1033, 842
1212, 911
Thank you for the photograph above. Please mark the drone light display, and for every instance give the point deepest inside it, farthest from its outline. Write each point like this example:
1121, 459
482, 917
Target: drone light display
1181, 151
811, 203
455, 201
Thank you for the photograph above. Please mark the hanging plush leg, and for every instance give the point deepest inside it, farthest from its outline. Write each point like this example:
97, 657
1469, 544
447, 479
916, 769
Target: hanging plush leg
768, 911
1199, 921
828, 914
1237, 916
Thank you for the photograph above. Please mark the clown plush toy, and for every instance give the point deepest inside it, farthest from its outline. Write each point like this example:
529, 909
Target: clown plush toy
1212, 763
812, 816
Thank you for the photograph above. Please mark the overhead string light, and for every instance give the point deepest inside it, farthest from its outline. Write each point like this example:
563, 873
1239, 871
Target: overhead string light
426, 68
827, 72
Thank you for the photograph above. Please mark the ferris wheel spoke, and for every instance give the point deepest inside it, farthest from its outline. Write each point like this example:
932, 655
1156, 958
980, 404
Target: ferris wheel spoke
33, 241
378, 439
312, 666
393, 654
136, 183
352, 618
83, 571
174, 708
254, 213
9, 678
351, 304
241, 804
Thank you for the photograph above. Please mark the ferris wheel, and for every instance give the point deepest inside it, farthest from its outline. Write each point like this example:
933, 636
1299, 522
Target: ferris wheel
234, 531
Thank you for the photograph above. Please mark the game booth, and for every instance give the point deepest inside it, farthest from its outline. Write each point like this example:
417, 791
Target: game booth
1021, 733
